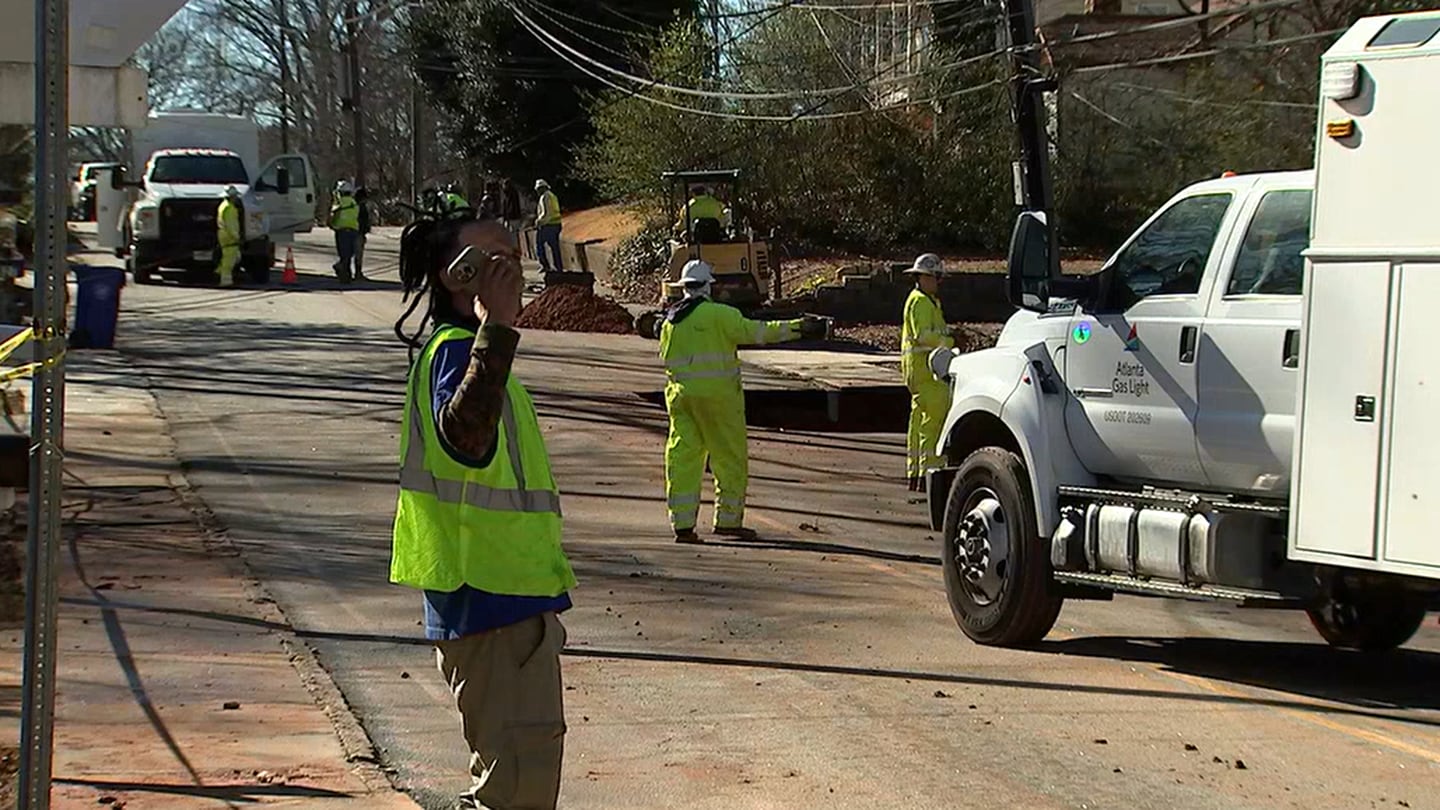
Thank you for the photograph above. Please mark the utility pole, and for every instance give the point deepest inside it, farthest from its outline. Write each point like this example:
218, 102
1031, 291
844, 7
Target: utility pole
357, 118
283, 9
1029, 86
47, 408
417, 156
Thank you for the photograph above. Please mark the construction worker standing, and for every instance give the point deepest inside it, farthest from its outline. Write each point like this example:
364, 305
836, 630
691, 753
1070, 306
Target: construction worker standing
477, 525
362, 199
230, 233
454, 201
345, 222
923, 330
698, 341
547, 226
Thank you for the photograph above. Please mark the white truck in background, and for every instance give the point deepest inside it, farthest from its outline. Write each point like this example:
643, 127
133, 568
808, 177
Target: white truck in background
186, 161
1239, 405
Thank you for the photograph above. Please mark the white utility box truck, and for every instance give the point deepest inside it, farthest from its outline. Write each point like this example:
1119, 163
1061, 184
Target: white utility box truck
186, 161
1240, 405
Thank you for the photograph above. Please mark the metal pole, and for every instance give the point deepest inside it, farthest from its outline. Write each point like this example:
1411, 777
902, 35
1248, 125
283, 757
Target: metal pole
37, 707
282, 7
352, 27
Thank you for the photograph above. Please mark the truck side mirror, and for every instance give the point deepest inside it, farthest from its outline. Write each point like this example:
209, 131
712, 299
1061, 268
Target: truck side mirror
282, 179
117, 177
1030, 262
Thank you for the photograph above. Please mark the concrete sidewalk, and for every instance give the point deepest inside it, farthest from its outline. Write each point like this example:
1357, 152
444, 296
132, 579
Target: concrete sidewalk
181, 684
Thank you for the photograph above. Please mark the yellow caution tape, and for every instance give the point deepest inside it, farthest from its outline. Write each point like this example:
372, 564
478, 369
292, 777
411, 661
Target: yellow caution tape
15, 341
20, 371
8, 348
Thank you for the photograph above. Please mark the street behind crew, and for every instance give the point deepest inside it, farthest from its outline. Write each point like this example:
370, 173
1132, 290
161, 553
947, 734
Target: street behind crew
477, 526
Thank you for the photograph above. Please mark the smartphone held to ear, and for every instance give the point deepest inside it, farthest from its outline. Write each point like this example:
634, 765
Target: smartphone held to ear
463, 274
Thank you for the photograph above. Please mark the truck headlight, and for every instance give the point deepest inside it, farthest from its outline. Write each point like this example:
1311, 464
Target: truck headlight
940, 360
146, 221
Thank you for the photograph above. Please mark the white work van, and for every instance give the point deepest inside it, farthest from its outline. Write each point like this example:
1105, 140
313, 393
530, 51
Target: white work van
1237, 406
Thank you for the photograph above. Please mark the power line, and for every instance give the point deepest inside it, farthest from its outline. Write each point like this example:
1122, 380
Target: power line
1185, 57
555, 43
585, 114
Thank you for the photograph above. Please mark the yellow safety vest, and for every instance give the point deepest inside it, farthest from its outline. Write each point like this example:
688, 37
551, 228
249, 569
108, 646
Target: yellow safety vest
549, 213
700, 350
705, 207
227, 224
495, 528
345, 214
923, 330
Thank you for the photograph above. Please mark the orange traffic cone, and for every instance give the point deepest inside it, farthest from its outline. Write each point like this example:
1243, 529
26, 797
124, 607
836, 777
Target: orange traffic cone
289, 277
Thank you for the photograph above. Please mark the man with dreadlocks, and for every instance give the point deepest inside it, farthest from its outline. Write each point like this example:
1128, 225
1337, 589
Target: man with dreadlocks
477, 527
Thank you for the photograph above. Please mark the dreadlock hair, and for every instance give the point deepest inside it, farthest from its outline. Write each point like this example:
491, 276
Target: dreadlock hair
425, 245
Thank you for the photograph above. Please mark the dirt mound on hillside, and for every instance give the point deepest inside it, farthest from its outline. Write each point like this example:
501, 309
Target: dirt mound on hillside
568, 308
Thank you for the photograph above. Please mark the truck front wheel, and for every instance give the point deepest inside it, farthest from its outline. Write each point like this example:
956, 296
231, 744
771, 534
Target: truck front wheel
1370, 621
997, 573
257, 269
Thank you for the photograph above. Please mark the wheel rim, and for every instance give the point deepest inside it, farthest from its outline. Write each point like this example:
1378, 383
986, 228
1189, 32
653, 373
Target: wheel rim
982, 547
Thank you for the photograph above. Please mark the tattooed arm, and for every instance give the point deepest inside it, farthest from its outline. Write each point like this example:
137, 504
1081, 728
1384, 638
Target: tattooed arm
469, 418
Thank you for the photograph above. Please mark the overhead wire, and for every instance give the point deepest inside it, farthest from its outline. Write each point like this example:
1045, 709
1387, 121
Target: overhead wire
556, 44
606, 104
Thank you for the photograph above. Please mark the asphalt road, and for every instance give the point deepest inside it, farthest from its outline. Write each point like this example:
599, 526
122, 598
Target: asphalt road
817, 668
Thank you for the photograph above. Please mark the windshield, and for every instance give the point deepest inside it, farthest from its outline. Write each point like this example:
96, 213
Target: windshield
208, 169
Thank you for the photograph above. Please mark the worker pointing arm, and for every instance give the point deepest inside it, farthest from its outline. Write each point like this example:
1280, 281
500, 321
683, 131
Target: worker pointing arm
699, 339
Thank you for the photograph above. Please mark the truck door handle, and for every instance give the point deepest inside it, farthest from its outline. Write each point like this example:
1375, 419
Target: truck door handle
1290, 352
1188, 335
1098, 393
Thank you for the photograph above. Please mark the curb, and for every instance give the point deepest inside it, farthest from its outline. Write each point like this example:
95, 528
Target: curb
359, 750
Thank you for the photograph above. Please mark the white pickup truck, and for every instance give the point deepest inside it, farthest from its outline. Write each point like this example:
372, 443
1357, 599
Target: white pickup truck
186, 160
1236, 406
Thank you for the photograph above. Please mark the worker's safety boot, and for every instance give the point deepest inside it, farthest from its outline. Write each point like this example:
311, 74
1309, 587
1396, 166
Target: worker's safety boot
687, 536
737, 532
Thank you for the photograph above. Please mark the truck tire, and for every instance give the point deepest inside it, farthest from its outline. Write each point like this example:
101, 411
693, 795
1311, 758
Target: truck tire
141, 263
997, 570
257, 269
1368, 621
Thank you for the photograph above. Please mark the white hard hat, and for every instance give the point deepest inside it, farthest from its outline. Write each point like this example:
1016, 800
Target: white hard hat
695, 274
232, 192
926, 264
541, 184
344, 187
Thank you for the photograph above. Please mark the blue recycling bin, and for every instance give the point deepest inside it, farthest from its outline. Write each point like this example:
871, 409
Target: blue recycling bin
97, 306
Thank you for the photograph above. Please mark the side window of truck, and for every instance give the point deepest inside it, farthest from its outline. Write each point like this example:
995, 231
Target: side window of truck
294, 165
1169, 257
1270, 260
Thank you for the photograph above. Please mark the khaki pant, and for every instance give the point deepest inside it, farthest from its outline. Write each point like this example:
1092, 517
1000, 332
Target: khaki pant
507, 686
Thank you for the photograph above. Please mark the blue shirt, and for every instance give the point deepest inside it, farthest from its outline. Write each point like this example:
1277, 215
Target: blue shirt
468, 611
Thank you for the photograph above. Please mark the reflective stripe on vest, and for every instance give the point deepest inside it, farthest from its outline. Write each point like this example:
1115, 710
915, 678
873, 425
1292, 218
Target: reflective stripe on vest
415, 478
707, 366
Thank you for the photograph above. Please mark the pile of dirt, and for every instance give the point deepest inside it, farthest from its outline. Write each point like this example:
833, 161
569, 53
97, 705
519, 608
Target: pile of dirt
566, 308
969, 337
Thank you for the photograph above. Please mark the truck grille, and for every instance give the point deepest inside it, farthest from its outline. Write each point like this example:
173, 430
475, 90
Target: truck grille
189, 224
